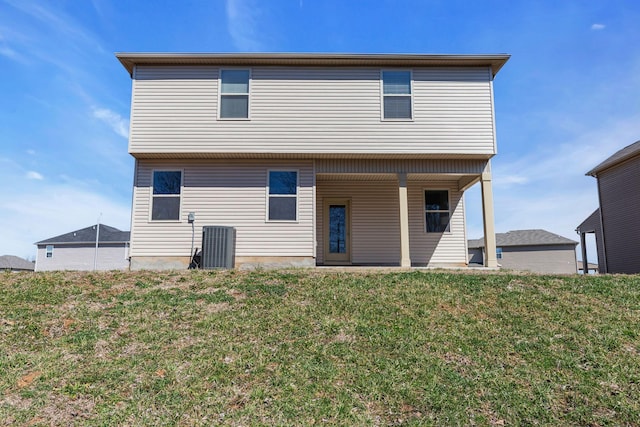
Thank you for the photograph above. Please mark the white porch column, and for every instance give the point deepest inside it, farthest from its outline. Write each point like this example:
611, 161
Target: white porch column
490, 259
405, 256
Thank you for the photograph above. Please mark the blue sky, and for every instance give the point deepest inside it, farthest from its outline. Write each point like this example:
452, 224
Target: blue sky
567, 99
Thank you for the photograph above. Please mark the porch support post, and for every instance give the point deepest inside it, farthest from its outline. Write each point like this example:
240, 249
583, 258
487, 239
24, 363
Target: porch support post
405, 256
490, 258
583, 247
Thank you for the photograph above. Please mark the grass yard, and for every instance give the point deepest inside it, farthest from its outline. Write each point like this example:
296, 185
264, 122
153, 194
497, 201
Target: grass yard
315, 347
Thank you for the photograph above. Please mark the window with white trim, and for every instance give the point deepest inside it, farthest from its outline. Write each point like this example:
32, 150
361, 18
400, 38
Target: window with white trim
397, 102
499, 253
234, 94
49, 251
437, 213
167, 188
282, 196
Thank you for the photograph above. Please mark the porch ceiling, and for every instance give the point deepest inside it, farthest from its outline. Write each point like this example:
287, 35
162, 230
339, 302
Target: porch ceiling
356, 177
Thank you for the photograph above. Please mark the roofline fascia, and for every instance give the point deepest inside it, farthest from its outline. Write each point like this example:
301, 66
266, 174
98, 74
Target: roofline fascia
130, 59
597, 170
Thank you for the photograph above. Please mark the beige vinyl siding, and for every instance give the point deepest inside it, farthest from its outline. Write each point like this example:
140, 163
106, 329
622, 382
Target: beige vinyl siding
619, 189
435, 249
375, 224
111, 256
227, 193
311, 111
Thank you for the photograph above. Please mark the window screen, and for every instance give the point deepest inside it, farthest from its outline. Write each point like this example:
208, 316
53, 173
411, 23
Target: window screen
234, 94
396, 93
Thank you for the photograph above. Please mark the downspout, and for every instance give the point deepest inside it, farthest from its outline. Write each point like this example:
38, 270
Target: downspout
135, 167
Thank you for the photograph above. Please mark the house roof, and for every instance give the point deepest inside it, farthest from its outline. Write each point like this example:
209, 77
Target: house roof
12, 262
618, 157
591, 224
524, 238
88, 235
130, 60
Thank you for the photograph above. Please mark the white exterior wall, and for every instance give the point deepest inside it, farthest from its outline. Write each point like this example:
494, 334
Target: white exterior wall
227, 193
327, 110
111, 256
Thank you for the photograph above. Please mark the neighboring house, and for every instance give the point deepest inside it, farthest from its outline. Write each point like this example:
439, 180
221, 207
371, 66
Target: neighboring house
591, 268
77, 250
529, 250
14, 263
314, 159
616, 223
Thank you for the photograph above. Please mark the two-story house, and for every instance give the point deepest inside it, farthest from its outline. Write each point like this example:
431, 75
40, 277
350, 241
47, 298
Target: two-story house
313, 159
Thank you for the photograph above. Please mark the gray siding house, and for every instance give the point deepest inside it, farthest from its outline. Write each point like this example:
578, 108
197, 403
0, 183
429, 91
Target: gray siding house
314, 159
77, 250
616, 223
537, 250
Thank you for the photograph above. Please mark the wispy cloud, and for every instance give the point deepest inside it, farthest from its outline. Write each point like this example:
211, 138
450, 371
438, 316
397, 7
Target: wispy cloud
8, 52
243, 23
118, 124
58, 22
34, 175
511, 180
597, 27
46, 34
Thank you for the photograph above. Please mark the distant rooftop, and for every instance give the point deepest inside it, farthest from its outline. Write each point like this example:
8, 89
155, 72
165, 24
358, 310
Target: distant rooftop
524, 238
88, 235
618, 157
12, 262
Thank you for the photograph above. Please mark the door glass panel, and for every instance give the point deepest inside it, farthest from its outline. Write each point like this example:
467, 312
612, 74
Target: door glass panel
337, 229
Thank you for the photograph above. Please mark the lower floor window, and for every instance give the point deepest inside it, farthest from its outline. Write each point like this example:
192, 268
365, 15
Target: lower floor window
499, 253
166, 195
437, 213
49, 251
283, 196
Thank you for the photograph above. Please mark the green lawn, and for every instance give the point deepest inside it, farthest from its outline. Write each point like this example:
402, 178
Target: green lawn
315, 347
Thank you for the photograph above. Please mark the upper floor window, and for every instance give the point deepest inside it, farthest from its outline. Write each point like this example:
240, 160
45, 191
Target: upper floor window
234, 94
167, 186
283, 196
437, 213
49, 251
397, 103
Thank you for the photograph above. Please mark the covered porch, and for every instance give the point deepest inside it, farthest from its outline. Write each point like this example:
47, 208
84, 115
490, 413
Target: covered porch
406, 213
